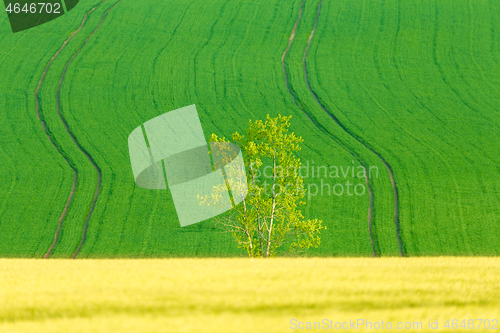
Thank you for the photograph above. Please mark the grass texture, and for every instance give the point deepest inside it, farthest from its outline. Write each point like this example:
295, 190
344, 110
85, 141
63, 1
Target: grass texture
413, 82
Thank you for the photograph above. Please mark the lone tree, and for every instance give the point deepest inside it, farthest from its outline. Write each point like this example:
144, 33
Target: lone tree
268, 221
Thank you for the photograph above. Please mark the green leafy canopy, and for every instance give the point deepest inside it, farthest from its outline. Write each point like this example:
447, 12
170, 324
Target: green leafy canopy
269, 222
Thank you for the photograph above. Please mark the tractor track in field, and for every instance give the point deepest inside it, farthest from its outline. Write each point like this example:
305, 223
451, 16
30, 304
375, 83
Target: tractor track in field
283, 58
382, 159
373, 240
44, 126
75, 141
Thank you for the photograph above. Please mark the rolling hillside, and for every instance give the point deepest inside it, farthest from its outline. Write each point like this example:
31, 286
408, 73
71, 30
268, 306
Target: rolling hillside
386, 85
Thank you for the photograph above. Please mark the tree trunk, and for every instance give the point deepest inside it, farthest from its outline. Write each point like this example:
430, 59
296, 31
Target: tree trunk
270, 230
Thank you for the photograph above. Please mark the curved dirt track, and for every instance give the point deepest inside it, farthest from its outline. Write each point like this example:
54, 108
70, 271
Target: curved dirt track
63, 120
290, 42
75, 141
386, 164
370, 191
44, 126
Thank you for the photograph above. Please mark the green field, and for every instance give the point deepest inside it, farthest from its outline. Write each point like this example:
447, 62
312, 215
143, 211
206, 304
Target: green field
243, 295
408, 87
